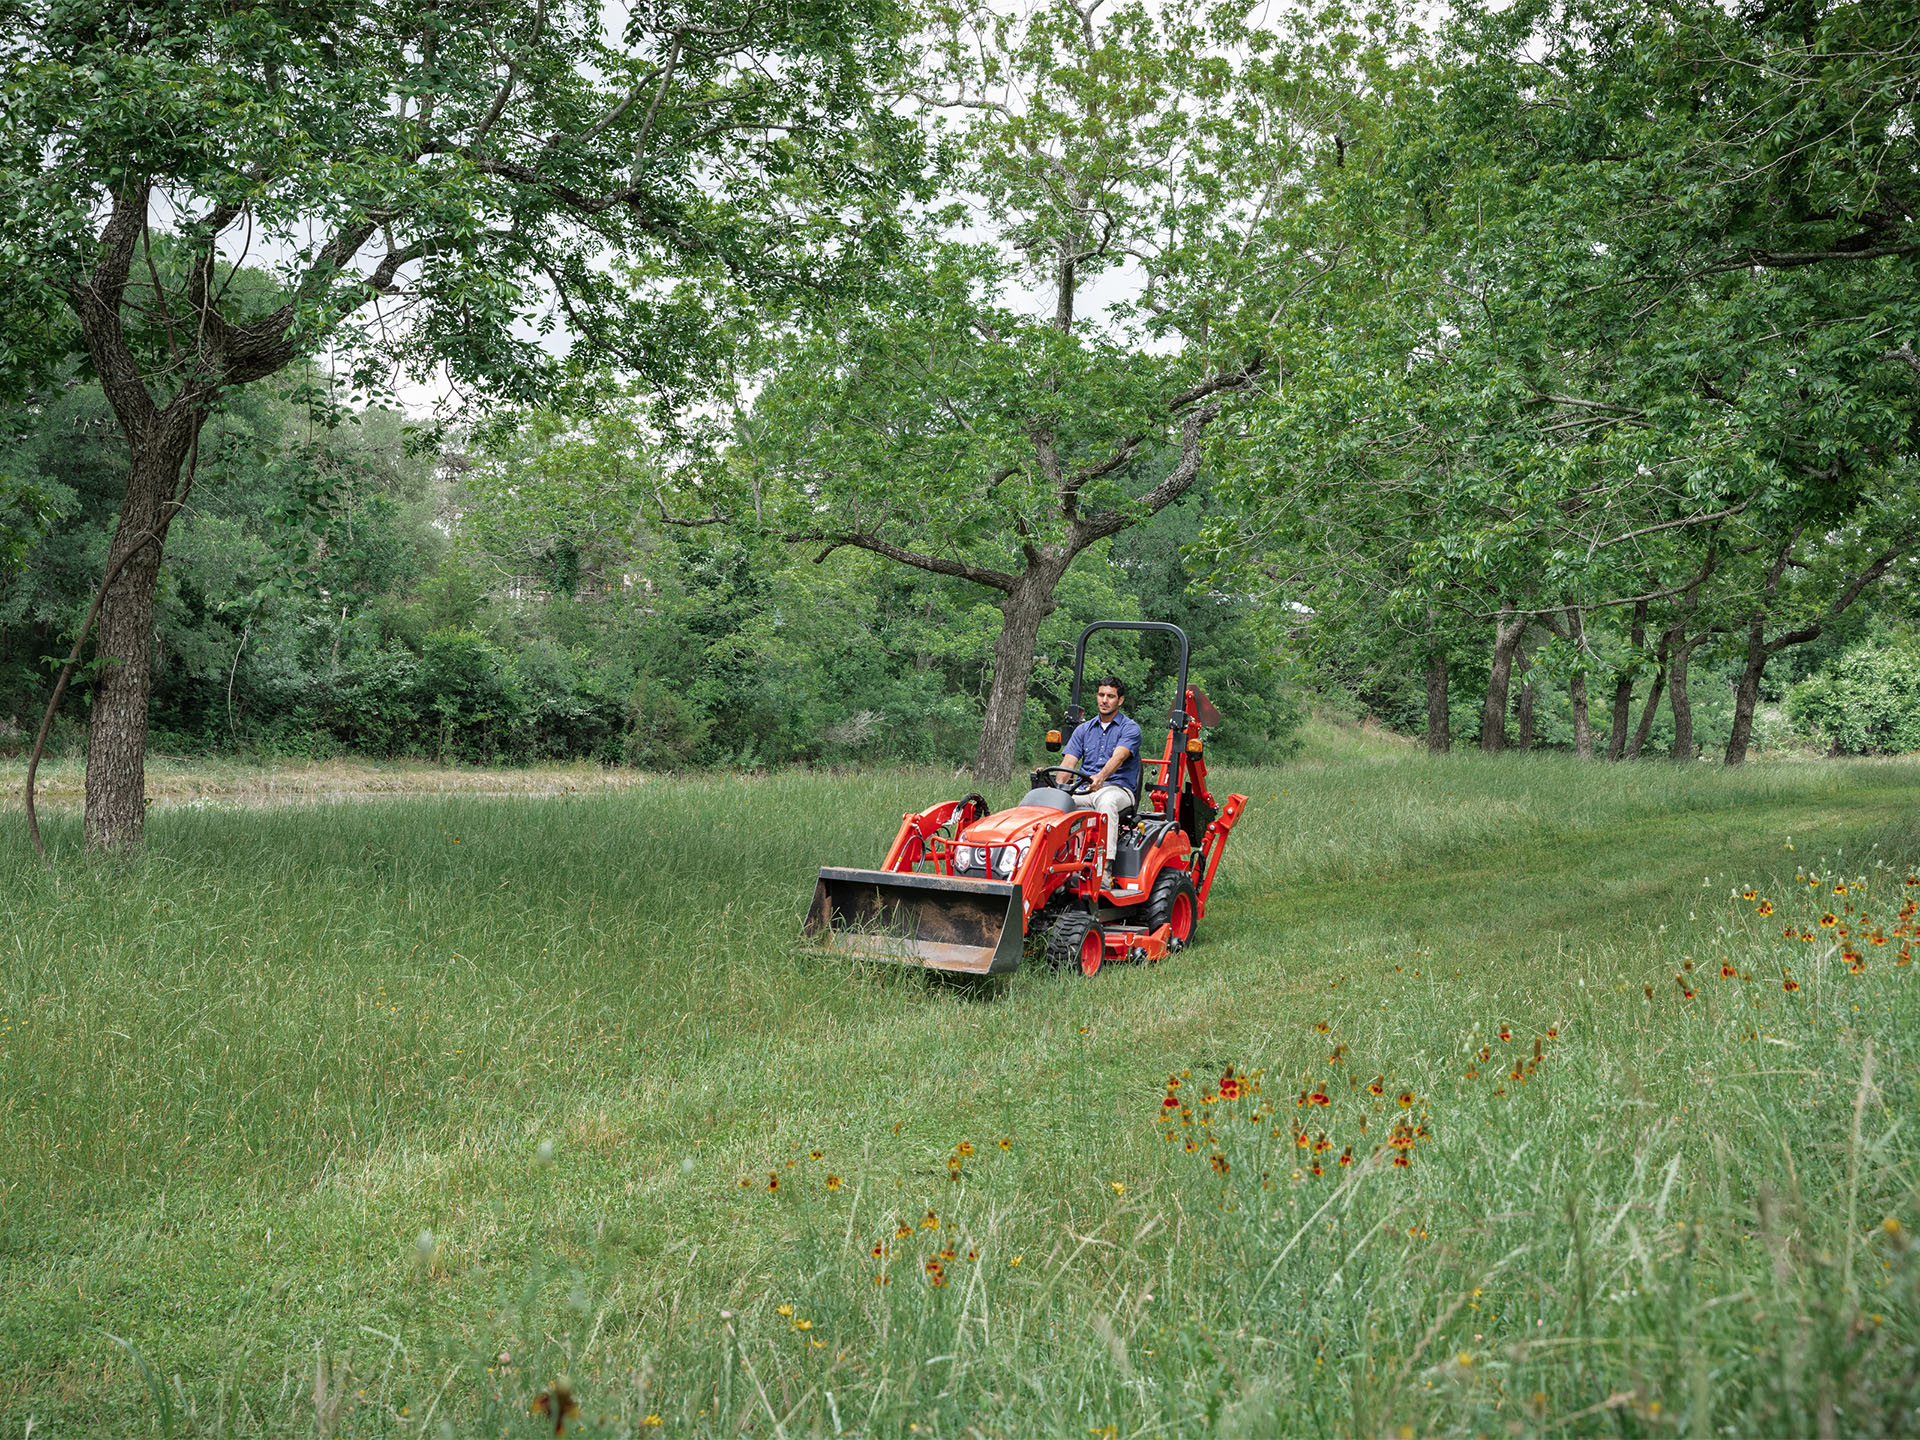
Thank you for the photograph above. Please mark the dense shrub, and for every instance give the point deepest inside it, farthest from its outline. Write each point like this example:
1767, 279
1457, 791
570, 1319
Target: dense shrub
1868, 701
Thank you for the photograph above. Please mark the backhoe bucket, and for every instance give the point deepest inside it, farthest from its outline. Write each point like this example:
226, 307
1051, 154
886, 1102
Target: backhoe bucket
974, 927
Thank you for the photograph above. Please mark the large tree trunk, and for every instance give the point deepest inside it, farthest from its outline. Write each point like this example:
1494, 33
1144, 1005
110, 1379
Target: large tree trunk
1439, 718
1507, 633
1746, 695
1582, 723
1577, 685
1523, 707
1026, 606
1680, 699
1681, 702
117, 726
1654, 696
1623, 688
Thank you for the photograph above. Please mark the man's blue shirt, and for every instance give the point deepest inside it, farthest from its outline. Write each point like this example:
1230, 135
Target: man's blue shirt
1095, 743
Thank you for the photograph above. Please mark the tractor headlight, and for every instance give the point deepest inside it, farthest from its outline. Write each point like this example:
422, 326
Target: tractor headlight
1008, 859
970, 857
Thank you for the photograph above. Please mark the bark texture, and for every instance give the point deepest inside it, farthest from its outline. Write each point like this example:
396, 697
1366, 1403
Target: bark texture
1508, 631
1439, 718
1576, 634
1523, 710
1679, 699
1654, 697
117, 723
1623, 687
1021, 612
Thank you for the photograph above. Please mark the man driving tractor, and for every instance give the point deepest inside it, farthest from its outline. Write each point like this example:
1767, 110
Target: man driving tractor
965, 888
1108, 745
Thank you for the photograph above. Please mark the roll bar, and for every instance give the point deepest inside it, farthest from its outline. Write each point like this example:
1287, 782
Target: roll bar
1176, 720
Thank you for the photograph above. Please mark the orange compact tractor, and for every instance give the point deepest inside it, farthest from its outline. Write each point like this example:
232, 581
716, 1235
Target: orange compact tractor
963, 887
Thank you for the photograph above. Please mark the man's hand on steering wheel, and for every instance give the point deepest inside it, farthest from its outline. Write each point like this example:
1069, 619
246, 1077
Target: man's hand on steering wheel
1076, 784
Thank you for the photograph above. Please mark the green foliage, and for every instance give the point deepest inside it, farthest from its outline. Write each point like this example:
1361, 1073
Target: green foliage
1613, 326
26, 512
487, 165
663, 732
1867, 702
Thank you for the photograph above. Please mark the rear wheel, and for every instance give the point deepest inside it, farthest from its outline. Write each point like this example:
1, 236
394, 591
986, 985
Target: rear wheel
1076, 943
1174, 904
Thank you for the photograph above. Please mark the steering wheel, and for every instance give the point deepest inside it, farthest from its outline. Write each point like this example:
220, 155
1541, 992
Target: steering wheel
1077, 784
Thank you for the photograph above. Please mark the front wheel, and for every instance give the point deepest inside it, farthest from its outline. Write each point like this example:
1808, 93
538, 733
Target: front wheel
1077, 943
1174, 903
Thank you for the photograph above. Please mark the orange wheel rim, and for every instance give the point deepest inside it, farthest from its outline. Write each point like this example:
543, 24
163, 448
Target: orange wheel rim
1092, 949
1180, 923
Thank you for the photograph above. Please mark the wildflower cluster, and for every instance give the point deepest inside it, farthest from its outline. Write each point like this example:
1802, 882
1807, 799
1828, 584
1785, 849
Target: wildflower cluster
1524, 1066
1205, 1126
1858, 924
777, 1178
943, 1250
1836, 917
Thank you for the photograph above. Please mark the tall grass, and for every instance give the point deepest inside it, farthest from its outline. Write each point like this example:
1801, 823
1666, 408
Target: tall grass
311, 1115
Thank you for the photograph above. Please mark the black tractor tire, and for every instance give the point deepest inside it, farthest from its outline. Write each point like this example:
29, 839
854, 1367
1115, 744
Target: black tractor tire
1040, 927
1174, 903
1068, 948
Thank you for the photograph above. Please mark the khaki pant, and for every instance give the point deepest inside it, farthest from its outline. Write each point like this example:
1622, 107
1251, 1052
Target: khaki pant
1109, 800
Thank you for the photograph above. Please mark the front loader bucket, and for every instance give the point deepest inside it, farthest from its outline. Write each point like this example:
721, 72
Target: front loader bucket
974, 927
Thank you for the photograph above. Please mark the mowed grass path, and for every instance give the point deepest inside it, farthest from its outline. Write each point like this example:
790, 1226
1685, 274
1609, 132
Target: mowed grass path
310, 1115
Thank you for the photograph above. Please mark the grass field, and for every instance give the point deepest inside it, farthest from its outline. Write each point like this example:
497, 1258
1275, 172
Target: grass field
378, 1119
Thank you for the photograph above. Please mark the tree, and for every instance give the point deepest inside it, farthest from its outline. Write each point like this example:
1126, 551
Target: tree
950, 428
1646, 311
527, 199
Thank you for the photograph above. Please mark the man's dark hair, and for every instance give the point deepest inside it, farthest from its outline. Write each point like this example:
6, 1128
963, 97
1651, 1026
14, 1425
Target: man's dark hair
1115, 681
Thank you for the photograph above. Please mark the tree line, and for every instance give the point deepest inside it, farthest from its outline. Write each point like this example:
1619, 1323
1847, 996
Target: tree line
1567, 342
